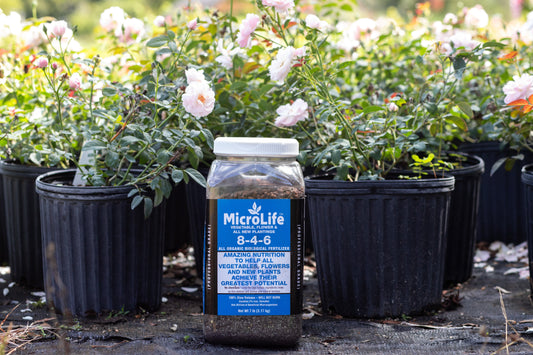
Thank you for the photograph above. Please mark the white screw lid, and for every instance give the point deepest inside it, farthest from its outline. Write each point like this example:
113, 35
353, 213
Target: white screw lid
244, 146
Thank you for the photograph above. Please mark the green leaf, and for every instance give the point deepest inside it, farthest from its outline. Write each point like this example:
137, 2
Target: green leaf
336, 156
127, 140
132, 192
148, 207
493, 44
196, 176
94, 145
459, 65
112, 159
109, 91
458, 121
239, 86
209, 139
509, 164
157, 41
166, 187
347, 8
434, 129
173, 47
497, 165
432, 108
158, 197
342, 172
136, 200
193, 157
224, 99
163, 156
465, 107
370, 109
177, 175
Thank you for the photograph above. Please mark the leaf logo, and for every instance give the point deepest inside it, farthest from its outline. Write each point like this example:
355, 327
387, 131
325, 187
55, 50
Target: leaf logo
255, 209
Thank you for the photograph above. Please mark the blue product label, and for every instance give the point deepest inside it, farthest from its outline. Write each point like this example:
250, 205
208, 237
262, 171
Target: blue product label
254, 259
254, 305
258, 225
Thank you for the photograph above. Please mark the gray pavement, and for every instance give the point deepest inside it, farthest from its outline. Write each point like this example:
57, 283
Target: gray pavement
478, 326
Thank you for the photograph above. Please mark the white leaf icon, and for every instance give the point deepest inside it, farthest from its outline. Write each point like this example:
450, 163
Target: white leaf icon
255, 209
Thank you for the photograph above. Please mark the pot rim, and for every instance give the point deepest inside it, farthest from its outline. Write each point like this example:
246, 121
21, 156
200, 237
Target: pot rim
473, 165
314, 185
12, 168
46, 185
527, 174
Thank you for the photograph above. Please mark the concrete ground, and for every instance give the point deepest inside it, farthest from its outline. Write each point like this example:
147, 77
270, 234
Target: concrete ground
495, 315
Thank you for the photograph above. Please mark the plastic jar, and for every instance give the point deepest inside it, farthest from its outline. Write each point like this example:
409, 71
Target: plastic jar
254, 243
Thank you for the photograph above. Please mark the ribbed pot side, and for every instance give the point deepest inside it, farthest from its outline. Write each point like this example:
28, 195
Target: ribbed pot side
100, 254
462, 220
527, 181
501, 200
380, 245
22, 222
177, 231
196, 205
3, 234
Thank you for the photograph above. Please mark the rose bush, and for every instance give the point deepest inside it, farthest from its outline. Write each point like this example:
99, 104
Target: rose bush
61, 102
362, 96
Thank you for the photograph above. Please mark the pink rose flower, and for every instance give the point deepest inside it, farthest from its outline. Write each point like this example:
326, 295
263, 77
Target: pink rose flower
226, 54
460, 39
74, 82
312, 21
57, 28
159, 21
450, 19
131, 29
282, 64
194, 75
392, 107
476, 17
33, 37
520, 88
246, 28
300, 52
41, 62
290, 114
199, 99
192, 24
281, 6
112, 18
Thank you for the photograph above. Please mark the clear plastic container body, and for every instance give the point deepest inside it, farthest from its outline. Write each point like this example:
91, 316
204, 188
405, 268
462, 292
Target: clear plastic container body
259, 178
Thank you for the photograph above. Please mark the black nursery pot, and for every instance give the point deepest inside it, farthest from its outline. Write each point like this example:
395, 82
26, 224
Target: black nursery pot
527, 180
462, 221
3, 234
177, 231
100, 254
22, 222
501, 201
196, 204
379, 245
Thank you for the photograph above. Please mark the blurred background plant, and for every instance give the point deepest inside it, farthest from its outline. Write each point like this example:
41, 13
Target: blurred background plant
85, 13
